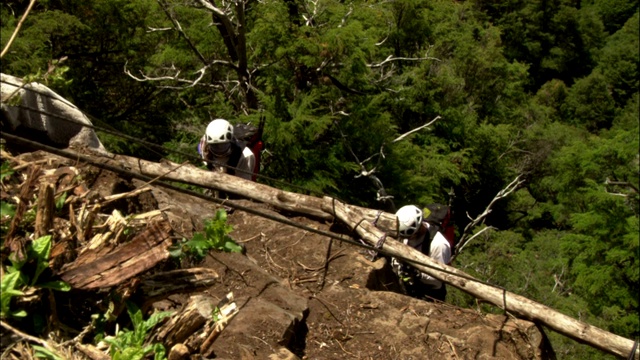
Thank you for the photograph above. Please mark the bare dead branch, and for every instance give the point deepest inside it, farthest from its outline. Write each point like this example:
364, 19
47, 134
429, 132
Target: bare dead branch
382, 41
309, 20
558, 281
211, 7
391, 58
175, 77
15, 32
474, 236
416, 129
27, 336
616, 194
381, 194
176, 23
385, 74
344, 18
621, 183
511, 187
152, 29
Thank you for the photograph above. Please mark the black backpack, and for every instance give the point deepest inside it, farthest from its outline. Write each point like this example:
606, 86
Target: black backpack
248, 135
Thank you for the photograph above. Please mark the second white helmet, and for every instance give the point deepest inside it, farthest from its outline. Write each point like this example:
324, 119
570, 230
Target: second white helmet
409, 220
219, 131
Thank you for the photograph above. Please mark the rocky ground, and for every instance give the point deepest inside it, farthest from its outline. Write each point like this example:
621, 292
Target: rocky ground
297, 294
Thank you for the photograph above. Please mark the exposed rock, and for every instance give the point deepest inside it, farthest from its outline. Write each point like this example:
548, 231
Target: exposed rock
36, 112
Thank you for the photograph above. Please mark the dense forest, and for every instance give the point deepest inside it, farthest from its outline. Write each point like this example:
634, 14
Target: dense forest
543, 93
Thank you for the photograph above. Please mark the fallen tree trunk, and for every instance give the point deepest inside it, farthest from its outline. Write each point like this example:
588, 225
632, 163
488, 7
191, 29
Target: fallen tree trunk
358, 219
284, 200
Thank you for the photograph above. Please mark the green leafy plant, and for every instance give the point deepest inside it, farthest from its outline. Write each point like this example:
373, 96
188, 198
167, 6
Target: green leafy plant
55, 76
60, 201
7, 211
38, 252
9, 285
215, 236
216, 315
44, 353
25, 272
130, 344
5, 171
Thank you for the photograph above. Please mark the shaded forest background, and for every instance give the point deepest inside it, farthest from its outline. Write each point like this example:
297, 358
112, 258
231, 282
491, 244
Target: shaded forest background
543, 90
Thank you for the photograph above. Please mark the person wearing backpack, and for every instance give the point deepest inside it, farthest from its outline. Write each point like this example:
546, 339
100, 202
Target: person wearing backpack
221, 151
426, 237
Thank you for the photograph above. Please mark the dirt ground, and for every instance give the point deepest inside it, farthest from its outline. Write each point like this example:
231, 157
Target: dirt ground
300, 295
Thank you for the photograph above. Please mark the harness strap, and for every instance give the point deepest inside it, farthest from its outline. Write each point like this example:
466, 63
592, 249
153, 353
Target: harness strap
234, 158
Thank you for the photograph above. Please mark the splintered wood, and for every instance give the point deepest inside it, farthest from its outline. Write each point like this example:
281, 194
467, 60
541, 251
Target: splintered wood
45, 212
198, 324
142, 253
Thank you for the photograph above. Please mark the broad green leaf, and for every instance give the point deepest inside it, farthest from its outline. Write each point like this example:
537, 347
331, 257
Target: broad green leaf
44, 353
60, 200
41, 248
5, 170
231, 246
7, 291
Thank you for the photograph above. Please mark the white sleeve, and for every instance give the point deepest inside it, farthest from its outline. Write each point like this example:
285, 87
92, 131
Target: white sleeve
202, 149
440, 252
246, 164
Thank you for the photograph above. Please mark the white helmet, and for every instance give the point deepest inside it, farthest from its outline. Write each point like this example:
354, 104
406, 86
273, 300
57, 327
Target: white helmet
409, 220
219, 131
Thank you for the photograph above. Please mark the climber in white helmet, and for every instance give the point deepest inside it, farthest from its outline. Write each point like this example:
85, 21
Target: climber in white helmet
221, 151
425, 237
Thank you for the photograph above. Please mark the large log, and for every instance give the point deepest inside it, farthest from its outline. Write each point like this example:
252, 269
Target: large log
284, 200
511, 302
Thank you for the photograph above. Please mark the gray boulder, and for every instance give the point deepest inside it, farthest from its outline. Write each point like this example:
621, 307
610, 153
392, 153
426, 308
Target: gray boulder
35, 111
